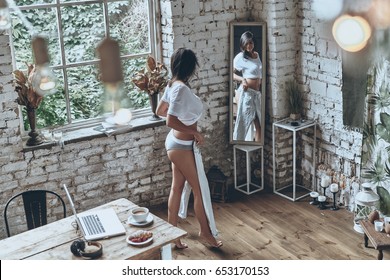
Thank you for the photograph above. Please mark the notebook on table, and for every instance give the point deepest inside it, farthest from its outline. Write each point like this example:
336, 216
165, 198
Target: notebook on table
97, 224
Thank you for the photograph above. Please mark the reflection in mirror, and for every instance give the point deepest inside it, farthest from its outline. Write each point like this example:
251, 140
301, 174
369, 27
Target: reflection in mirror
247, 82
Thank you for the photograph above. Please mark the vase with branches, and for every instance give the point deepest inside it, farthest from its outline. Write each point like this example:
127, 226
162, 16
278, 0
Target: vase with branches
28, 97
152, 80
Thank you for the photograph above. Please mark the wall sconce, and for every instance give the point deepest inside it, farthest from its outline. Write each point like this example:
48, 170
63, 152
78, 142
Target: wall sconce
112, 77
351, 32
5, 17
43, 82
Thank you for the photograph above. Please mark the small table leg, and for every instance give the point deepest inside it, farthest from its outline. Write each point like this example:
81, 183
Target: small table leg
380, 255
365, 240
166, 252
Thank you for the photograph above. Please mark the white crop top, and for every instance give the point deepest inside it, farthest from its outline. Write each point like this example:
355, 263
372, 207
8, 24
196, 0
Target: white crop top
251, 68
183, 104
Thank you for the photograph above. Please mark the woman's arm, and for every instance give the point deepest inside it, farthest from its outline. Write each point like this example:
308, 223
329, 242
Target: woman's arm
162, 108
241, 80
238, 78
174, 123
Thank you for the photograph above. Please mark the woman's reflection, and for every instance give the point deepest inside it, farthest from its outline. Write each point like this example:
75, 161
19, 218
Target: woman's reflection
247, 70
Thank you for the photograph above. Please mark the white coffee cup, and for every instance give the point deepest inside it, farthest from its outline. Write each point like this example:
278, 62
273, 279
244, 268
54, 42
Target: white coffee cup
139, 214
378, 225
387, 220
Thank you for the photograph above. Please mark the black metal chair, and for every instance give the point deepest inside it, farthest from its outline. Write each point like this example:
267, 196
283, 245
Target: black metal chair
35, 207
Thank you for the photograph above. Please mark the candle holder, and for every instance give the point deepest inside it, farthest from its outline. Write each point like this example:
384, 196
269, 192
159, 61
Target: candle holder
322, 202
326, 180
314, 195
334, 189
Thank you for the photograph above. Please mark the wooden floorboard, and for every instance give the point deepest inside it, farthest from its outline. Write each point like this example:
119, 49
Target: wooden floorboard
266, 226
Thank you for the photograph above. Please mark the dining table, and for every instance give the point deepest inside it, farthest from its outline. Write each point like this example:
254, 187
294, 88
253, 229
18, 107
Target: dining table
53, 241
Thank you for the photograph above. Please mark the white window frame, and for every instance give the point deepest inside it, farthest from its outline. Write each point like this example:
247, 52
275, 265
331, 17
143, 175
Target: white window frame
155, 50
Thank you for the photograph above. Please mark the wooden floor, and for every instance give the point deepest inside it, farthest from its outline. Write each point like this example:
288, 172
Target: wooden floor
266, 226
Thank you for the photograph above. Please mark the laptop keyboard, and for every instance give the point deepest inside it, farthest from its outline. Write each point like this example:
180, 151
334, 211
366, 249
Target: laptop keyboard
93, 224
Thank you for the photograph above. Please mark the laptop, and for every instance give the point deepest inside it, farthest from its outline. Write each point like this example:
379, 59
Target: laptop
97, 224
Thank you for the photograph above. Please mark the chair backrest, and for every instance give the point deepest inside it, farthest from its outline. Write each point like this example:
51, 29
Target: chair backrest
35, 208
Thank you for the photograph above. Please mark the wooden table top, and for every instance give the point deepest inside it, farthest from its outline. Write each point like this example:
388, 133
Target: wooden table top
380, 240
52, 241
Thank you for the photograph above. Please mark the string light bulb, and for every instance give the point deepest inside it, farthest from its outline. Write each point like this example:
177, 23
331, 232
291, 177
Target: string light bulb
112, 78
44, 81
351, 32
5, 16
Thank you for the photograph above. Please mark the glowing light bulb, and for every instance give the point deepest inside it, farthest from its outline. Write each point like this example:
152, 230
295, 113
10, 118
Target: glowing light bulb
43, 81
116, 113
112, 78
5, 17
122, 116
351, 32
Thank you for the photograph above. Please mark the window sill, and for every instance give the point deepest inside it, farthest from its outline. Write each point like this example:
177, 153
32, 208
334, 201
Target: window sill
86, 134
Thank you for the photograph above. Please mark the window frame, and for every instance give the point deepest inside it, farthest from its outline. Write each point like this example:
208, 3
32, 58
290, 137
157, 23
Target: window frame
155, 50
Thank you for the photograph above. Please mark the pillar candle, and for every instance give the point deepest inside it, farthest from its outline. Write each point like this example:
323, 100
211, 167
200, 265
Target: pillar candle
334, 187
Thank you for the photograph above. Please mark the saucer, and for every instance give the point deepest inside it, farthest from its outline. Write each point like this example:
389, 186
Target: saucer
149, 219
137, 234
146, 242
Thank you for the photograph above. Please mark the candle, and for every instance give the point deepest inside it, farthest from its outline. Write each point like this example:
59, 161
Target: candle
334, 188
314, 194
321, 198
325, 181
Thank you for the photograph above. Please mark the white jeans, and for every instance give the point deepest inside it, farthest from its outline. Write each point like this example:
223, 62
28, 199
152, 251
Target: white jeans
249, 106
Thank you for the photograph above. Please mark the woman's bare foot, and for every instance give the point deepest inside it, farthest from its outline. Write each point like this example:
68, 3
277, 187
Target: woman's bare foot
180, 245
209, 238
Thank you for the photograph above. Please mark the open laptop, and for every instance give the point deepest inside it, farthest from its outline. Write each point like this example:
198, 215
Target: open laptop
97, 224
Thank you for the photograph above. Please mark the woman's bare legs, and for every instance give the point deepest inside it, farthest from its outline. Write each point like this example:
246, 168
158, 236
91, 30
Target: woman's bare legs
258, 130
177, 186
185, 170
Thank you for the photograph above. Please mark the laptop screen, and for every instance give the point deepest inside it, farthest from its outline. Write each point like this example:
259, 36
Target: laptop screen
104, 219
70, 200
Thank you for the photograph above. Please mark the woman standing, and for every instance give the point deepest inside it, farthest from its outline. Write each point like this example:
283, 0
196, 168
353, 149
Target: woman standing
182, 110
249, 65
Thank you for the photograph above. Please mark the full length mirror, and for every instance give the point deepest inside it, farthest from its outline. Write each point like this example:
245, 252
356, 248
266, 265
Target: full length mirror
247, 82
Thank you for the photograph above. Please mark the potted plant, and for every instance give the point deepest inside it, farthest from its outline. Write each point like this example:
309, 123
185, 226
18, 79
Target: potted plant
152, 80
28, 97
295, 100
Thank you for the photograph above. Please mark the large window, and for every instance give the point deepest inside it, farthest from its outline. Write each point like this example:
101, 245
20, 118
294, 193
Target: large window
74, 30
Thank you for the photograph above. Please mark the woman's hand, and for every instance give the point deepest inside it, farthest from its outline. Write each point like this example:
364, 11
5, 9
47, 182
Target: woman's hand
244, 84
199, 139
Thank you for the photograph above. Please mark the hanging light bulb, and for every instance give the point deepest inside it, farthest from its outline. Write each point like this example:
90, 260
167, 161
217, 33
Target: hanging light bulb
351, 32
44, 82
5, 17
112, 77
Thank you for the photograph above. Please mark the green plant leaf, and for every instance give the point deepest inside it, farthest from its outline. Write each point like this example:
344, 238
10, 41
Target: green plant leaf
384, 200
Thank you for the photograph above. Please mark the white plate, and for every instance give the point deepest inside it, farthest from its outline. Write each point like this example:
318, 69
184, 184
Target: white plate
132, 222
139, 243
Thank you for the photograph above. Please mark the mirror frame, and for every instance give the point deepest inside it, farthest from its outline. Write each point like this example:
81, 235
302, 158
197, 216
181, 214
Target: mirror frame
259, 31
